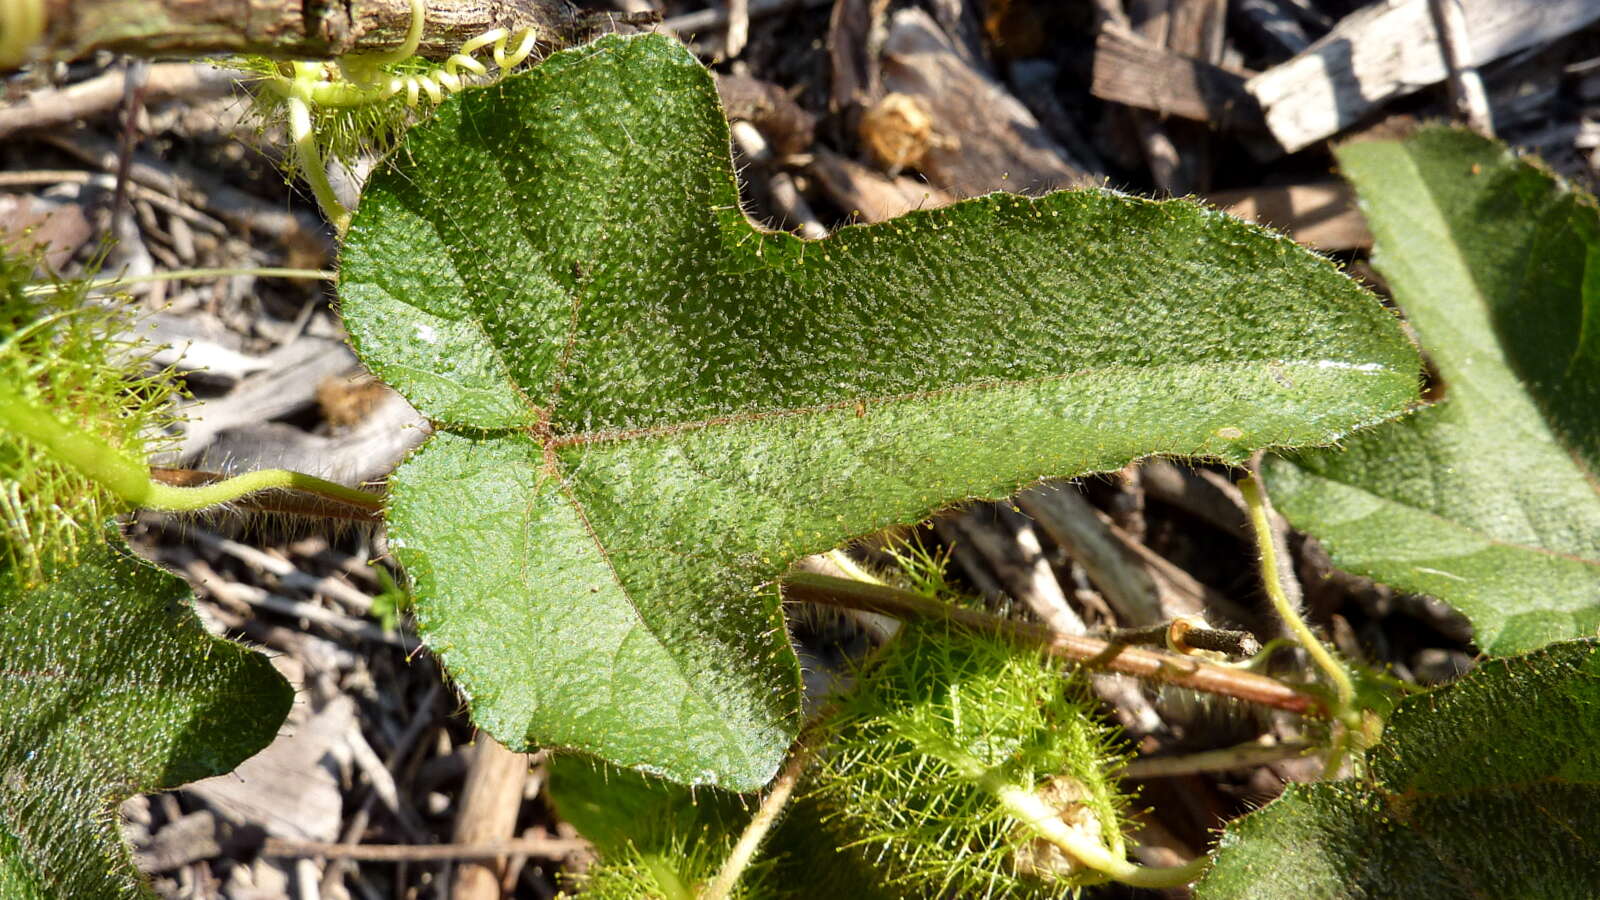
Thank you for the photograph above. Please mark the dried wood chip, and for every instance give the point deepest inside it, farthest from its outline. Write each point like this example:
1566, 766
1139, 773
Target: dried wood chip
989, 140
868, 195
787, 126
1390, 49
1320, 214
55, 228
292, 788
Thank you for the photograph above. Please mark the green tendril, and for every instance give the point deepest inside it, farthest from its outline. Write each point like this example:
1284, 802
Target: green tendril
363, 102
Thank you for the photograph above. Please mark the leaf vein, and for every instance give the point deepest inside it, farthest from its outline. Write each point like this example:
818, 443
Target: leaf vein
605, 556
1487, 539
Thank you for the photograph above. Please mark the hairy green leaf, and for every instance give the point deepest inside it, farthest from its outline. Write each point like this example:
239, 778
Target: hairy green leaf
648, 407
1488, 500
109, 686
1489, 787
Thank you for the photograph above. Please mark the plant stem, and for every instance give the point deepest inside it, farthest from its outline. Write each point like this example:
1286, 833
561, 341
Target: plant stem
766, 815
130, 480
1030, 809
540, 847
258, 271
1343, 690
1183, 635
315, 505
186, 499
303, 138
1183, 671
1243, 756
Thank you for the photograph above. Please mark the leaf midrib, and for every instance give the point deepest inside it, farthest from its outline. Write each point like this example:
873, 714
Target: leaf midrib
550, 442
615, 435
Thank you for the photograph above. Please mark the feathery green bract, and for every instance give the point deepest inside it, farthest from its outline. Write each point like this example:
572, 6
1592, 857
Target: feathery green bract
1490, 499
110, 686
66, 353
648, 407
940, 713
655, 838
1489, 787
659, 839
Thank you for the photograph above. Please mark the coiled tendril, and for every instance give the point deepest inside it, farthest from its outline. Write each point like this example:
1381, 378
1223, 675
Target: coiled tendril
369, 79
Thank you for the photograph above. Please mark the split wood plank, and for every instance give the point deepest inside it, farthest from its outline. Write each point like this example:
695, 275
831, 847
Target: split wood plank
1134, 72
1179, 153
1391, 49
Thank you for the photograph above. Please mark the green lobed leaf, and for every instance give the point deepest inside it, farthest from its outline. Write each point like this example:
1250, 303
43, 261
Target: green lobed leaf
648, 407
1489, 787
1488, 500
109, 686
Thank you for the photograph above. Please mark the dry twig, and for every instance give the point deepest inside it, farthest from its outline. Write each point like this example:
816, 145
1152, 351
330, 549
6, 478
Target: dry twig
542, 847
1166, 667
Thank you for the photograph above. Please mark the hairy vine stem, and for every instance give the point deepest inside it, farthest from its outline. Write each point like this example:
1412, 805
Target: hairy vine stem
301, 501
1182, 671
766, 816
1343, 689
131, 480
1027, 807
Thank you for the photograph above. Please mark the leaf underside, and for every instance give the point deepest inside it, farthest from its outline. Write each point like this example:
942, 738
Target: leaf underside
1488, 500
109, 686
1489, 787
648, 408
